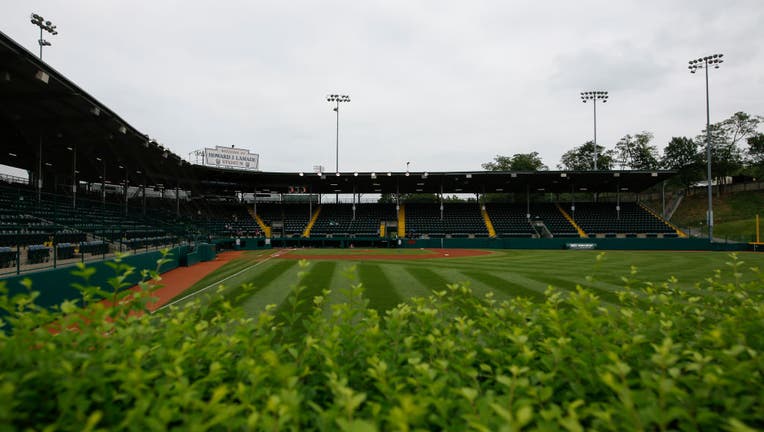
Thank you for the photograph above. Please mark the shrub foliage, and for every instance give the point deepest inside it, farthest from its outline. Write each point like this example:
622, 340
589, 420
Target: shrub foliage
664, 358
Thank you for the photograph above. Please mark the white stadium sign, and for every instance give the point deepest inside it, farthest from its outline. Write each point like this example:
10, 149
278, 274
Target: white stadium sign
230, 157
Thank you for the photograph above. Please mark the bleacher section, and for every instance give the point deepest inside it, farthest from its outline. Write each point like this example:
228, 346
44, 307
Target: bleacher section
288, 220
510, 220
605, 219
553, 219
228, 219
25, 221
458, 220
337, 219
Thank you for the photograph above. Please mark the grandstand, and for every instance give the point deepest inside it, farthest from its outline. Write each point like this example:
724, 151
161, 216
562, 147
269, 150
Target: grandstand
98, 185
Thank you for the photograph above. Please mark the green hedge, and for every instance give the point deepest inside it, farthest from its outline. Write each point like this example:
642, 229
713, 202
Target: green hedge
691, 360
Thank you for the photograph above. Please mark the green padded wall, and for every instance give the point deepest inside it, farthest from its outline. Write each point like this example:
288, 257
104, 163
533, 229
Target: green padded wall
55, 285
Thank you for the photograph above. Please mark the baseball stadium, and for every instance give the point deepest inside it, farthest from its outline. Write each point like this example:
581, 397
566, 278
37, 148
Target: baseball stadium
146, 290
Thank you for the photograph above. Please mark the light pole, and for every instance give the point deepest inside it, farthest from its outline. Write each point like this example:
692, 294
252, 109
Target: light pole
103, 181
337, 99
125, 185
594, 96
44, 25
73, 149
704, 63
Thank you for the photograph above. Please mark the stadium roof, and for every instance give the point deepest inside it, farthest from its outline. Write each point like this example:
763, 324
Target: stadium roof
433, 182
41, 108
45, 118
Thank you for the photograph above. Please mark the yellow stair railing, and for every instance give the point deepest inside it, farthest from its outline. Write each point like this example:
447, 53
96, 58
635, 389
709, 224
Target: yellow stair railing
266, 229
488, 223
382, 229
581, 232
679, 232
312, 222
402, 221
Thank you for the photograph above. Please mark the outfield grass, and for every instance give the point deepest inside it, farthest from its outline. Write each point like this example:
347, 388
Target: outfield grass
351, 252
506, 273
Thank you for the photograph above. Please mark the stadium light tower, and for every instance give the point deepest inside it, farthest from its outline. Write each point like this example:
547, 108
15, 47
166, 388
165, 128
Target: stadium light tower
594, 96
704, 63
337, 98
44, 25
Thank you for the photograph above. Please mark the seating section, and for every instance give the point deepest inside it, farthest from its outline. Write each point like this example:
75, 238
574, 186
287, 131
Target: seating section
227, 219
553, 220
17, 228
292, 216
458, 220
510, 220
333, 219
604, 218
337, 219
25, 221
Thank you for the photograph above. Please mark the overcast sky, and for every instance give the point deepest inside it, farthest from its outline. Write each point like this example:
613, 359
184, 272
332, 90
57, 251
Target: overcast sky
446, 85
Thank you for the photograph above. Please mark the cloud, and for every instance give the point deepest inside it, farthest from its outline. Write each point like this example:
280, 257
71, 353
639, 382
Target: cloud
445, 84
621, 66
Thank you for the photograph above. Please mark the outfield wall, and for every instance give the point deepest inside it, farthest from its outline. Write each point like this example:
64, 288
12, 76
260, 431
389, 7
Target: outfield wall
680, 244
55, 285
564, 243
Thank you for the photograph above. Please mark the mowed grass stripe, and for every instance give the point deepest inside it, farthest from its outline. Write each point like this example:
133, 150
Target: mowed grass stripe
226, 270
433, 281
238, 295
603, 294
380, 291
319, 277
505, 286
273, 285
428, 278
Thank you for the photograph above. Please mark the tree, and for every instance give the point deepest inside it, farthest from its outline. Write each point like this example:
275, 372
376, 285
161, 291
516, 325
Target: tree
726, 157
756, 149
740, 126
756, 155
581, 158
683, 155
518, 162
635, 152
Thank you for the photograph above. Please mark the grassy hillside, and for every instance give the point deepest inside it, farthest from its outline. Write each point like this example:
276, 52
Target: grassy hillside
734, 214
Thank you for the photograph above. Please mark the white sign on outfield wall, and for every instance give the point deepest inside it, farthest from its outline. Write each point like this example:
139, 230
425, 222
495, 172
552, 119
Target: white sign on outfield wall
230, 157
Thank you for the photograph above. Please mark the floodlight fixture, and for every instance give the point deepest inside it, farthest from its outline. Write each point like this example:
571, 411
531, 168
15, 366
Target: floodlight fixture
337, 99
594, 96
45, 25
705, 63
